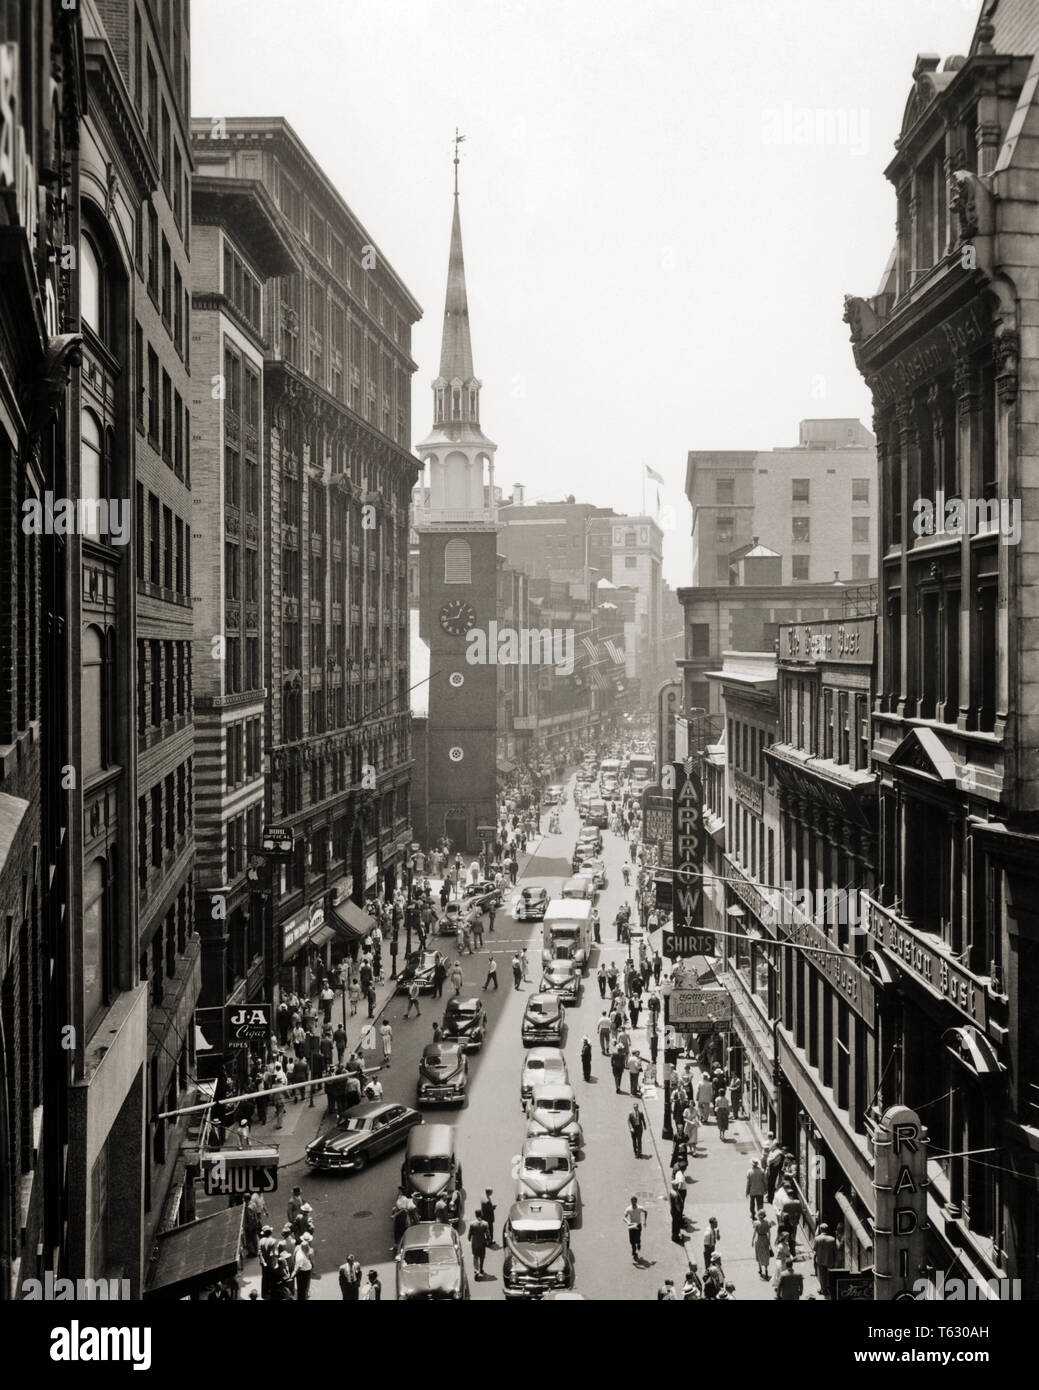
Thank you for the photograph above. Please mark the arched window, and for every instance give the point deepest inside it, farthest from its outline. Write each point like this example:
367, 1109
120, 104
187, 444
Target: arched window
458, 563
440, 404
91, 288
456, 404
90, 468
91, 701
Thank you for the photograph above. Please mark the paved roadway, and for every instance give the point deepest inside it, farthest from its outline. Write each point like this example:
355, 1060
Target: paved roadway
352, 1213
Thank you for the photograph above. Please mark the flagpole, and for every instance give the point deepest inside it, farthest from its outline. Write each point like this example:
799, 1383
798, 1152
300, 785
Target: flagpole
643, 489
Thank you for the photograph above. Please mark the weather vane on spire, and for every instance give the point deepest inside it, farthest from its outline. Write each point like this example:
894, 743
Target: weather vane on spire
458, 141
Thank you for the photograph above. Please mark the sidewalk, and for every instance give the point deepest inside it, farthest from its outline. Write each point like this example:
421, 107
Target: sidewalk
715, 1183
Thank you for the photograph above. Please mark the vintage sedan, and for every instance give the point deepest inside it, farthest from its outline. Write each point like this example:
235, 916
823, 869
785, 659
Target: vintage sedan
589, 843
420, 966
429, 1264
465, 1023
563, 977
595, 869
546, 1168
447, 922
537, 1250
553, 1110
443, 1074
542, 1066
365, 1132
543, 1021
552, 796
479, 896
530, 903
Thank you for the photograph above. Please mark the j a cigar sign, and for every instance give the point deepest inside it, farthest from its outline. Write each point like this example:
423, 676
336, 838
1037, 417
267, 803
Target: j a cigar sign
246, 1023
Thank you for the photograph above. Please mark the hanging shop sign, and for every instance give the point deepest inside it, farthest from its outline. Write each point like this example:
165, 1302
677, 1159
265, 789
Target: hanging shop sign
687, 842
246, 1023
294, 933
277, 839
689, 1009
240, 1172
371, 869
900, 1186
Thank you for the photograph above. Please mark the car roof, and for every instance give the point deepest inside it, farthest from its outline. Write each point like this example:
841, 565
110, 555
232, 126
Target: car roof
372, 1107
546, 1144
554, 1090
431, 1139
535, 1215
426, 1233
439, 1049
464, 1005
545, 998
545, 1054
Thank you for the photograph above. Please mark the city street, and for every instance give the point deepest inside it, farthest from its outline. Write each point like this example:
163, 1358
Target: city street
352, 1213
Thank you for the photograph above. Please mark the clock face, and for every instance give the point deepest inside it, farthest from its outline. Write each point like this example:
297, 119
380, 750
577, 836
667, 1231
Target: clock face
457, 617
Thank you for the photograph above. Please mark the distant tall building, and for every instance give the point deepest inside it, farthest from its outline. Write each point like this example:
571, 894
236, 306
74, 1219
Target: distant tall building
815, 505
458, 589
637, 557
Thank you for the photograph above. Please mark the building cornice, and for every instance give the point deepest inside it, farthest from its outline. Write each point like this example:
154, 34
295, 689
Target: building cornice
106, 88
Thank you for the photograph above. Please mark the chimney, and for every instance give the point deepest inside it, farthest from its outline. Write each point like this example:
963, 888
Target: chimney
518, 492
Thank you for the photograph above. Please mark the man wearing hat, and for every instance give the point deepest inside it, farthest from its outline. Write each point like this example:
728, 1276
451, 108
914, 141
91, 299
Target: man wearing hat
303, 1266
487, 1209
295, 1205
304, 1222
268, 1261
824, 1257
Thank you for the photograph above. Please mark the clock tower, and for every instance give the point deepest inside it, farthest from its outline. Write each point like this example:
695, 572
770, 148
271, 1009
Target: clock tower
458, 586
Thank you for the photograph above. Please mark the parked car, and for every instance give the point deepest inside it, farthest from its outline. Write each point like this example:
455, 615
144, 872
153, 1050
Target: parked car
447, 923
542, 1066
552, 796
596, 813
529, 904
594, 869
590, 836
420, 966
443, 1074
537, 1250
563, 977
365, 1132
429, 1264
543, 1020
465, 1023
580, 886
554, 1110
546, 1168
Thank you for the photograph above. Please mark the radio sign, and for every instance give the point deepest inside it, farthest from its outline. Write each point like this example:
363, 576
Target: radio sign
687, 840
240, 1172
900, 1183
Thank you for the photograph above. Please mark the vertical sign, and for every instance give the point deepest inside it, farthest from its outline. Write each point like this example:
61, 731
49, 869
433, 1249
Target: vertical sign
687, 841
900, 1183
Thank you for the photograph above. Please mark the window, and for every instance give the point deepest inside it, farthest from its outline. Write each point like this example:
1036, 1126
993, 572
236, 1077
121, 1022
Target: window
860, 530
799, 489
860, 566
631, 562
232, 478
178, 317
153, 537
724, 530
721, 568
91, 288
167, 548
799, 566
139, 388
153, 104
164, 153
234, 847
92, 701
153, 397
167, 418
724, 490
153, 252
701, 639
799, 528
178, 176
91, 470
860, 489
457, 563
156, 825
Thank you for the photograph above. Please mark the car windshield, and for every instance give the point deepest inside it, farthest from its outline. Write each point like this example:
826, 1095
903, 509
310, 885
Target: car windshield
560, 1105
433, 1255
536, 1064
529, 1237
563, 933
546, 1163
464, 1013
429, 1163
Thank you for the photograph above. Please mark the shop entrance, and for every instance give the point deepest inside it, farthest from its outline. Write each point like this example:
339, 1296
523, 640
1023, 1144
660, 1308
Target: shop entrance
456, 828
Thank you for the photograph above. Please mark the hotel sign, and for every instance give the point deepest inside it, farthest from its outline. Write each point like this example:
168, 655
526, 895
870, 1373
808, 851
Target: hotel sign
656, 818
842, 972
914, 953
834, 643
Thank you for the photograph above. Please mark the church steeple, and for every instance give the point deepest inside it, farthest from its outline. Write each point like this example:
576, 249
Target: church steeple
458, 455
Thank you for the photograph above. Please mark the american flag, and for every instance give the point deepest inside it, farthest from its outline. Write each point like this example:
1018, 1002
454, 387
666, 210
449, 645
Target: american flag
613, 650
589, 647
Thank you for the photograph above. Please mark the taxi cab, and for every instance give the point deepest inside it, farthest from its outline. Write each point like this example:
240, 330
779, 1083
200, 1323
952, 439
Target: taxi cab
537, 1250
546, 1168
553, 1110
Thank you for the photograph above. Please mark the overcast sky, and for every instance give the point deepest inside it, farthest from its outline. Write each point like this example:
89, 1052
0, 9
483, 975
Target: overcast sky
657, 240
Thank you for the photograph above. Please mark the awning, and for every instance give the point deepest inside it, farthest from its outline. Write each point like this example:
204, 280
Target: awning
735, 911
974, 1050
352, 921
200, 1253
322, 934
861, 1234
877, 968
